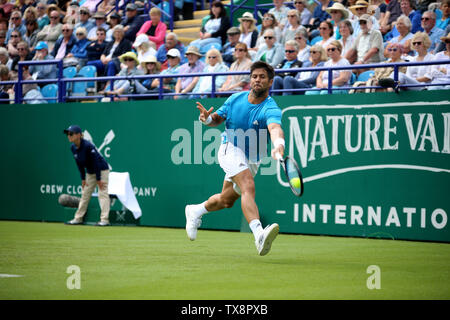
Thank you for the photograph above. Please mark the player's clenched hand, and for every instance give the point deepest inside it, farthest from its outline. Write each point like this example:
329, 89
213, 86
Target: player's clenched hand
204, 114
278, 150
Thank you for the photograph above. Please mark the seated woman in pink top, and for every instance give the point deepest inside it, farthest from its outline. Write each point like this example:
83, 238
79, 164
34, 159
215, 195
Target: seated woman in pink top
155, 28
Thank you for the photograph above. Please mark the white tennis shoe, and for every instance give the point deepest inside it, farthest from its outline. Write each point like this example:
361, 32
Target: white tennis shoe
192, 223
264, 242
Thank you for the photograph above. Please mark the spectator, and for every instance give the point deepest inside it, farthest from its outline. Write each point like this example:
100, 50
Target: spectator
214, 64
340, 78
271, 51
215, 28
45, 71
15, 25
21, 6
393, 11
326, 32
31, 35
368, 45
228, 49
268, 22
403, 25
72, 13
100, 21
15, 38
415, 74
338, 13
280, 12
95, 49
242, 63
394, 54
4, 76
5, 59
433, 32
114, 20
149, 66
144, 47
24, 55
91, 5
79, 50
194, 65
7, 7
347, 39
173, 58
408, 9
444, 21
377, 8
441, 73
249, 33
84, 22
306, 79
441, 46
132, 22
2, 38
290, 62
51, 32
125, 86
29, 14
319, 15
64, 44
171, 43
301, 37
155, 29
359, 9
42, 17
292, 27
303, 12
109, 60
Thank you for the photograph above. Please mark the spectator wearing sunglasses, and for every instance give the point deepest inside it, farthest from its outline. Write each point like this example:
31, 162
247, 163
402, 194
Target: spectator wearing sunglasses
51, 32
15, 24
428, 24
403, 25
64, 44
242, 63
79, 52
304, 13
45, 71
84, 19
24, 55
290, 62
271, 51
213, 64
42, 17
339, 78
173, 61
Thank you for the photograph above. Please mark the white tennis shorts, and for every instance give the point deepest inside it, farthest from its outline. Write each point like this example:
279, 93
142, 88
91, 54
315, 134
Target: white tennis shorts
233, 161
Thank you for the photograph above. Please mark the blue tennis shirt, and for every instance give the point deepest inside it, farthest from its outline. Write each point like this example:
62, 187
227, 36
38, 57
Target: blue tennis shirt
246, 123
88, 159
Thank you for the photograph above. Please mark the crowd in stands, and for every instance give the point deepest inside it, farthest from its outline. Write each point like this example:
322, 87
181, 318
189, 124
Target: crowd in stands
297, 34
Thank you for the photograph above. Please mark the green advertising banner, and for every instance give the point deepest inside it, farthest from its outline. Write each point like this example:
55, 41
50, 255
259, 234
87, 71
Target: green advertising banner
374, 165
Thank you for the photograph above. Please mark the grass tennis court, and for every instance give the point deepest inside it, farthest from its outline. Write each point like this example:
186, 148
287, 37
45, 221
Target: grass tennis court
160, 263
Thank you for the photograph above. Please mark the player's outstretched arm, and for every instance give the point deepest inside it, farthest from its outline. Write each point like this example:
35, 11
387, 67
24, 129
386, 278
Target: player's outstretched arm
208, 117
277, 137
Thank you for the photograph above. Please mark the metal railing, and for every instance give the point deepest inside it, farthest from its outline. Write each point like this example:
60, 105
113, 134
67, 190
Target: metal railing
63, 97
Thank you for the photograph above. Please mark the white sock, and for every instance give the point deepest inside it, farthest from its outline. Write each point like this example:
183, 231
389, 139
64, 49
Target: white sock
256, 227
199, 209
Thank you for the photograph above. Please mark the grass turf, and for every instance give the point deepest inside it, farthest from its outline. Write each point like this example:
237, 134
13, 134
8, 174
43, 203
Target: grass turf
159, 263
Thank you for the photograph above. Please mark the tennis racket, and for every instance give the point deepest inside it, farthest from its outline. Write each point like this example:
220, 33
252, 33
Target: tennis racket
293, 174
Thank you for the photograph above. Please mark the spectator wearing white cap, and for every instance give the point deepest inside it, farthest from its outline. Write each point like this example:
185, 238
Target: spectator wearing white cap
171, 42
173, 59
144, 47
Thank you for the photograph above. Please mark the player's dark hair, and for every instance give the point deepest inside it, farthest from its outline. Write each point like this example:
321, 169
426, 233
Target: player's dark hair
265, 66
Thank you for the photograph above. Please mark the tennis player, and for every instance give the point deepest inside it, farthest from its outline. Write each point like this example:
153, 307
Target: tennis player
251, 117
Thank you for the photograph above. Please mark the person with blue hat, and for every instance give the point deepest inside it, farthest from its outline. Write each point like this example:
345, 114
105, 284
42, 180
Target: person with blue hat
94, 171
45, 71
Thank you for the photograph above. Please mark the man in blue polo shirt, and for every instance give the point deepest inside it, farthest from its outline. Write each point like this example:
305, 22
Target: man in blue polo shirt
251, 118
94, 171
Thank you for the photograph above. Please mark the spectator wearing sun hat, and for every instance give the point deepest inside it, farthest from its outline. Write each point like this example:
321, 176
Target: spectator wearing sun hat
194, 65
84, 21
100, 21
124, 86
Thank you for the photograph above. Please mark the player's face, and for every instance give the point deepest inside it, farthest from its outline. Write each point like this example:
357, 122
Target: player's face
259, 81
